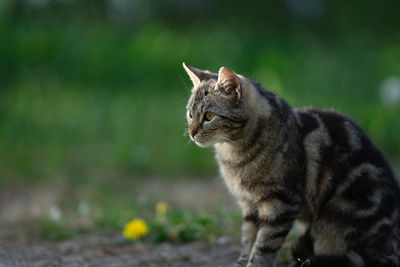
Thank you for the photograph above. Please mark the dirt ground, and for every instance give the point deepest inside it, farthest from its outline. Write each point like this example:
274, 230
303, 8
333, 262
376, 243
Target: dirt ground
93, 250
22, 203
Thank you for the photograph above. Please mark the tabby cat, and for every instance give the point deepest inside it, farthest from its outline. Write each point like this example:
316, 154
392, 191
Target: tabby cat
315, 167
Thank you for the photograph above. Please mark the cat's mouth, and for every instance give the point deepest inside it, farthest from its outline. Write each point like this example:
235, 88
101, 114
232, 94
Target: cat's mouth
202, 143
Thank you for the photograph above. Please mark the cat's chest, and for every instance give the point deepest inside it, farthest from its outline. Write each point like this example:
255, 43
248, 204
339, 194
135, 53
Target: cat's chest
243, 182
234, 181
236, 177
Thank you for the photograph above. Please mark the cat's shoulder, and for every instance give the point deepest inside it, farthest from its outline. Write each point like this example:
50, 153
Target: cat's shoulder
321, 112
333, 121
329, 116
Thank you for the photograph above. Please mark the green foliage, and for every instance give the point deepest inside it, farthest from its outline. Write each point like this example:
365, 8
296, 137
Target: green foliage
83, 90
184, 226
52, 230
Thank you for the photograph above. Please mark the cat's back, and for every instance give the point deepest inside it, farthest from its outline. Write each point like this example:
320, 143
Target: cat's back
338, 138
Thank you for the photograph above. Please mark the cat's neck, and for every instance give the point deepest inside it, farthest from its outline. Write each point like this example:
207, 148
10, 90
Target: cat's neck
264, 128
255, 136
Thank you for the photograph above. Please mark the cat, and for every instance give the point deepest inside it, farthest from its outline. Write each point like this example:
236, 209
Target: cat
316, 167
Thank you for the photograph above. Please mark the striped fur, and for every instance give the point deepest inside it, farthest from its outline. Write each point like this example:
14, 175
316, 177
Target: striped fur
316, 167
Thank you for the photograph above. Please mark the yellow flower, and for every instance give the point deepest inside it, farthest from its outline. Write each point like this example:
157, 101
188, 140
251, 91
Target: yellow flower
135, 229
162, 208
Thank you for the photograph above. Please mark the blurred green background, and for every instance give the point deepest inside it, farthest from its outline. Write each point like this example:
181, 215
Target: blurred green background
93, 95
98, 85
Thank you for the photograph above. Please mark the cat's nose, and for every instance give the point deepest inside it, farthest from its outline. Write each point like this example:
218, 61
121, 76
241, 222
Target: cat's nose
193, 131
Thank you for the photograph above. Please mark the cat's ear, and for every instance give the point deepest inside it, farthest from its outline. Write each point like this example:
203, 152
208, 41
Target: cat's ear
195, 75
229, 81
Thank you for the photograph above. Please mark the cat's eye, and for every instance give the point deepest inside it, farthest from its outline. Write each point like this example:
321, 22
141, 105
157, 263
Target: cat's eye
190, 114
209, 116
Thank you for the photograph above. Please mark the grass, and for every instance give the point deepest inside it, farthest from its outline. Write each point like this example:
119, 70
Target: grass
177, 226
106, 202
53, 129
120, 105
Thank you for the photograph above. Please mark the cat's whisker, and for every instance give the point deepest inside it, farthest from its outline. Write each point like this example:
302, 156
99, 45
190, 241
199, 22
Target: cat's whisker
186, 132
187, 143
187, 89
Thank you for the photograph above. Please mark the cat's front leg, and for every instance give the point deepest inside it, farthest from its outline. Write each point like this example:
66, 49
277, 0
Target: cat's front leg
249, 231
275, 221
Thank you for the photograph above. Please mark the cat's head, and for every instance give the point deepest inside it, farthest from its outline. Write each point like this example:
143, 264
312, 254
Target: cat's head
217, 110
